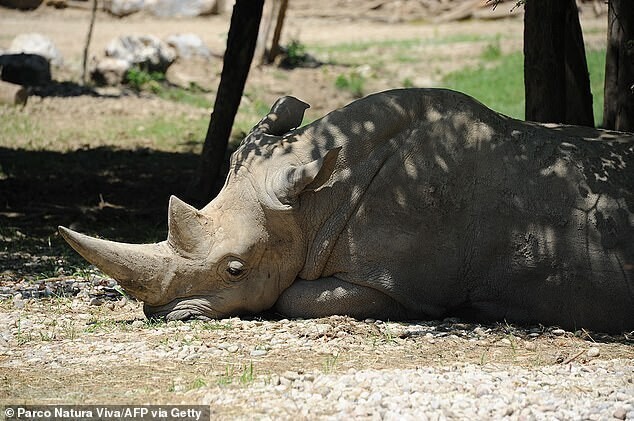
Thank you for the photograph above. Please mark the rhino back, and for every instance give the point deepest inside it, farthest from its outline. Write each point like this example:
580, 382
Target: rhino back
447, 206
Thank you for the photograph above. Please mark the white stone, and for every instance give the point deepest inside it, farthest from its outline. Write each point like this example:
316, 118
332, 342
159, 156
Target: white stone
146, 51
181, 8
188, 46
122, 8
35, 43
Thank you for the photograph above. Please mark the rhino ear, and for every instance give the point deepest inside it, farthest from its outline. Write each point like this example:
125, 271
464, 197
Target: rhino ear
186, 233
288, 183
286, 114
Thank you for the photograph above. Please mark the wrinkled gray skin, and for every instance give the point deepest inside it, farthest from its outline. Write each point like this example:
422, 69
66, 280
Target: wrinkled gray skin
407, 204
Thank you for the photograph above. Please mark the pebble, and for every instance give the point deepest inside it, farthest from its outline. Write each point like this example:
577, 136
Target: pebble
619, 413
593, 352
18, 302
95, 301
316, 384
259, 352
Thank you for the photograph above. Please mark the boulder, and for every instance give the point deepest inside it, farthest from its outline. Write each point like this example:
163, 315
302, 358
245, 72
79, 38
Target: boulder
109, 71
194, 73
145, 51
25, 69
39, 44
188, 46
122, 8
181, 8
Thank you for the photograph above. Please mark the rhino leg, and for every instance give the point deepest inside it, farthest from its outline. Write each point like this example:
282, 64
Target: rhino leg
331, 296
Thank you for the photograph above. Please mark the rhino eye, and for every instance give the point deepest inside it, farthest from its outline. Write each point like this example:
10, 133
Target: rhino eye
235, 268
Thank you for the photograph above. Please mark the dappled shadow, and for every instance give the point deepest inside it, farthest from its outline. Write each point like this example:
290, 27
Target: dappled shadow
119, 194
425, 202
452, 209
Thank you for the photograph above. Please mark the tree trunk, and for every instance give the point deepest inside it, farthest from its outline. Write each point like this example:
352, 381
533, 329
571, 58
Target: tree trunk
268, 14
274, 12
578, 95
277, 33
84, 65
618, 99
556, 81
544, 71
243, 34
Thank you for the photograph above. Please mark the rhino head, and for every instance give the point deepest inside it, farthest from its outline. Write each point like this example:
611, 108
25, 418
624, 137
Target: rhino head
238, 253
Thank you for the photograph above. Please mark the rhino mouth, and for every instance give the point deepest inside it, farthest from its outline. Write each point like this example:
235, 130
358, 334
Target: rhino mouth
190, 308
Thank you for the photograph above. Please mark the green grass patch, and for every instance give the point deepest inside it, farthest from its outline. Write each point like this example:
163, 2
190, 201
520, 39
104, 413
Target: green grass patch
498, 81
401, 44
170, 132
193, 96
353, 82
176, 133
378, 53
596, 68
498, 85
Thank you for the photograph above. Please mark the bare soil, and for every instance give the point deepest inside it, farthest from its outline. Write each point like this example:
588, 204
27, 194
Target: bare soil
99, 164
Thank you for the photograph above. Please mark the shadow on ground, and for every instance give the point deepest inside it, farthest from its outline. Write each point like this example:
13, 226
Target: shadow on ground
116, 194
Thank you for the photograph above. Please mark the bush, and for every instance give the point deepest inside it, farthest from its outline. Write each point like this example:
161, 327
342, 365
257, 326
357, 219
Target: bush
140, 80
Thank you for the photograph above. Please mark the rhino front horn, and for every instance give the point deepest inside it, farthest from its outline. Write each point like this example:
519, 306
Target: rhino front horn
135, 266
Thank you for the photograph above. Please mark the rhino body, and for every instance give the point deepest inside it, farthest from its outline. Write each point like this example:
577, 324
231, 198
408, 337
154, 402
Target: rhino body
406, 204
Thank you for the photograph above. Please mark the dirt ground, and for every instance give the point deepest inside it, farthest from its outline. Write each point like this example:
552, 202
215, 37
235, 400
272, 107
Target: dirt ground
106, 164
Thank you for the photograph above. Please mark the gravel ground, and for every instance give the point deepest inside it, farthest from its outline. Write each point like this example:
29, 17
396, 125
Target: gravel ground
77, 340
599, 390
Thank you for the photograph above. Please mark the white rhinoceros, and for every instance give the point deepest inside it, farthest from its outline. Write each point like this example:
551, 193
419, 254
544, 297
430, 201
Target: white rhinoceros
407, 204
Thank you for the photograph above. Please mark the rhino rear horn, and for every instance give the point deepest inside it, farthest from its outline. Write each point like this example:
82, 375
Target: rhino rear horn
288, 183
286, 114
186, 231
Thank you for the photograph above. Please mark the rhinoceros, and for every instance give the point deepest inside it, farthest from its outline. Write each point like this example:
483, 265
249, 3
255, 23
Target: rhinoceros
406, 204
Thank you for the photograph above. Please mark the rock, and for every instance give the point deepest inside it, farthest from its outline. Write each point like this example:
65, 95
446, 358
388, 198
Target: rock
25, 69
95, 301
619, 413
530, 346
146, 51
137, 324
18, 302
182, 8
21, 4
593, 352
110, 71
482, 390
13, 94
35, 43
259, 352
558, 332
122, 8
195, 72
188, 46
